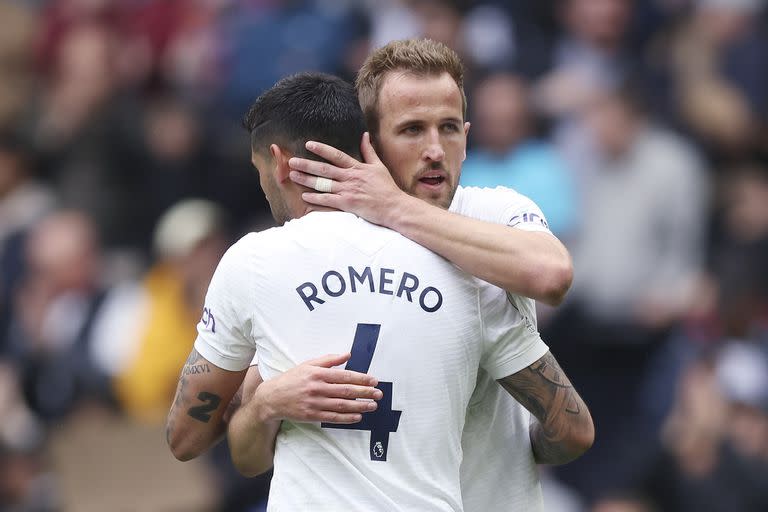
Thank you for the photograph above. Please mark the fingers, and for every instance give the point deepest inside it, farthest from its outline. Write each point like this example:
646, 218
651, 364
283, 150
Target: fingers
335, 376
329, 360
339, 410
323, 199
350, 392
345, 406
311, 181
334, 410
367, 150
335, 417
318, 169
331, 154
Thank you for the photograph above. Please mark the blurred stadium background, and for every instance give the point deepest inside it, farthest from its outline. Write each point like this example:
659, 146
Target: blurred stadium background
639, 127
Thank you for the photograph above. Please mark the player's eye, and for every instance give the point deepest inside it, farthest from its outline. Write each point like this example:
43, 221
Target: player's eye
451, 127
412, 129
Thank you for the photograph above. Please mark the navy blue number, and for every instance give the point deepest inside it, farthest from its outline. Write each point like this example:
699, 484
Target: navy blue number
383, 420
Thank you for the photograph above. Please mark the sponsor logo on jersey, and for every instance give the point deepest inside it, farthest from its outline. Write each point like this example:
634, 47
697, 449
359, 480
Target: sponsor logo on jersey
378, 449
528, 218
208, 320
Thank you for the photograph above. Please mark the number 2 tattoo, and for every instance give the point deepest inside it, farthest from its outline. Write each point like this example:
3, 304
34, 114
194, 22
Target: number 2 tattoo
203, 412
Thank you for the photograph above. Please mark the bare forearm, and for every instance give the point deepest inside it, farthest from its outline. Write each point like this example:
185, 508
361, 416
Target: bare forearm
564, 429
204, 396
189, 441
252, 440
526, 263
550, 450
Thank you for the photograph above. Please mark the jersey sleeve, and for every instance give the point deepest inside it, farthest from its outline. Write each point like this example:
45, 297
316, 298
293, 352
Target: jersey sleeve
500, 205
224, 333
510, 339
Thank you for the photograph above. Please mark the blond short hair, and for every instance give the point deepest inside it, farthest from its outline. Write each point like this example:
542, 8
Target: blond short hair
421, 57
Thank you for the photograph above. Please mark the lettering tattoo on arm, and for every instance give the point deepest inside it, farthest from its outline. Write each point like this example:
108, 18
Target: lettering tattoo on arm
210, 401
181, 392
563, 418
192, 366
194, 369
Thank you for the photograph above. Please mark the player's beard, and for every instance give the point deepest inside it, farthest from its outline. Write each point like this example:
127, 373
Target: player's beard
279, 213
441, 198
277, 203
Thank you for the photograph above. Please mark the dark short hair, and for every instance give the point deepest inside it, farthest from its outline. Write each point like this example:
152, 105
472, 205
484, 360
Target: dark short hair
307, 106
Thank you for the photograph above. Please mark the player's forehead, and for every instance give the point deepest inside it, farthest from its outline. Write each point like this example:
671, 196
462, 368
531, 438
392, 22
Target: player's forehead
405, 94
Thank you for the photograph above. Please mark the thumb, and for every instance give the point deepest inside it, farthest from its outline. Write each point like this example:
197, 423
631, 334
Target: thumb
366, 148
329, 360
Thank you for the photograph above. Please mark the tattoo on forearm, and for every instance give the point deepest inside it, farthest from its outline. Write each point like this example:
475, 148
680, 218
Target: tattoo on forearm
202, 412
198, 368
550, 371
191, 366
544, 389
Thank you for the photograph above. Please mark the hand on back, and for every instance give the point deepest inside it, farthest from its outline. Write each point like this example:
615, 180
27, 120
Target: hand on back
315, 391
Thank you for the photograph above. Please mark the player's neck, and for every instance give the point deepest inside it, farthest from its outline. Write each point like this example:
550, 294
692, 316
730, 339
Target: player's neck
315, 208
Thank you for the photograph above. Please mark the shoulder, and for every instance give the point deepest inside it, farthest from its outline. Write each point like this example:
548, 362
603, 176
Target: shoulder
487, 203
275, 240
254, 250
485, 193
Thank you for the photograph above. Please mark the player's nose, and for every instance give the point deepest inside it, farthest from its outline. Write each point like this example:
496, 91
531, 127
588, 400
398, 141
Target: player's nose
434, 150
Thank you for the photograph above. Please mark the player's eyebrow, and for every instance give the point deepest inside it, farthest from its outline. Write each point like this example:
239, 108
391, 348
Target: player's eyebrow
408, 122
415, 121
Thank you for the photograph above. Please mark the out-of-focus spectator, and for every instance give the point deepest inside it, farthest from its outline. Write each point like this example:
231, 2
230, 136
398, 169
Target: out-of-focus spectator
638, 256
713, 453
23, 201
624, 503
57, 306
740, 250
178, 159
488, 34
20, 431
176, 163
489, 38
392, 20
17, 28
645, 207
590, 57
25, 480
265, 42
711, 74
86, 134
190, 238
504, 152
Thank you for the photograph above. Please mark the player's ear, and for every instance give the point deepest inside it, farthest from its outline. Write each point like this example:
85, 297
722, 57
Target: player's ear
280, 157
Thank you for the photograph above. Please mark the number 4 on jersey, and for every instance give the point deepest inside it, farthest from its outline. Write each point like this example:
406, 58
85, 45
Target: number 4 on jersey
383, 420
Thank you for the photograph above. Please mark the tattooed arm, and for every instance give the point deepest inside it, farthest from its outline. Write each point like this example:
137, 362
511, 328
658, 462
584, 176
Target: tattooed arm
564, 430
204, 397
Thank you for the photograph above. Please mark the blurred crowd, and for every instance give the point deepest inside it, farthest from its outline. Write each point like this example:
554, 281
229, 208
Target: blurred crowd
640, 127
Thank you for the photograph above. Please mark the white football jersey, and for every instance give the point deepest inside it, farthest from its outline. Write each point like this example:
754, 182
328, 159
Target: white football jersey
331, 283
498, 472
